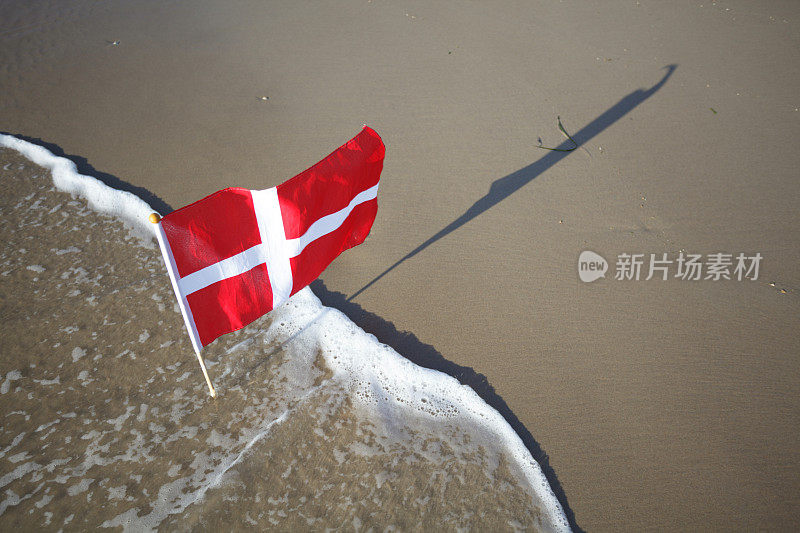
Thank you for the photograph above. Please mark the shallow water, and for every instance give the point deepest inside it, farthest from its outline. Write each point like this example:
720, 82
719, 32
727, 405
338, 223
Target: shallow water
106, 419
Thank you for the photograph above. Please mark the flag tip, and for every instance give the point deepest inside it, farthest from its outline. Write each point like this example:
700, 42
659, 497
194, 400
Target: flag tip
155, 218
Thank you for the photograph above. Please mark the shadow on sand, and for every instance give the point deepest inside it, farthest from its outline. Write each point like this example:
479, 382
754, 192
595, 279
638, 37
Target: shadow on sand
427, 356
505, 187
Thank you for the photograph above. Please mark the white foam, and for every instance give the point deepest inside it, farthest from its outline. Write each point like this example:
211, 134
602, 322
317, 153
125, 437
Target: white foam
102, 198
11, 376
77, 353
376, 373
379, 375
70, 250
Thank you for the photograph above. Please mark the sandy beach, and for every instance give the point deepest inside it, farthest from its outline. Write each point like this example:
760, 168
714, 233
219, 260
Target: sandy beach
650, 404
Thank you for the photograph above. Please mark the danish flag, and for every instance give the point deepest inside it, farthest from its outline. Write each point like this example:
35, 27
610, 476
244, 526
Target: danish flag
237, 254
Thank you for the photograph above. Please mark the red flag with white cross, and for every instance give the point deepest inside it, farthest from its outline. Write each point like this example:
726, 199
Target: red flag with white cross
237, 254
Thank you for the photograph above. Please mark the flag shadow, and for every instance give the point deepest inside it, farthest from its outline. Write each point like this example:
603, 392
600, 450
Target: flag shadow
427, 356
508, 185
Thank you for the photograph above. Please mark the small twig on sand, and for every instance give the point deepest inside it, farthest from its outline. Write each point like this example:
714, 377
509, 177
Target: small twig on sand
561, 127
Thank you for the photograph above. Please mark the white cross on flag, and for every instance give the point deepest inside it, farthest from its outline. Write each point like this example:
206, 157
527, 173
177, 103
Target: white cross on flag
237, 254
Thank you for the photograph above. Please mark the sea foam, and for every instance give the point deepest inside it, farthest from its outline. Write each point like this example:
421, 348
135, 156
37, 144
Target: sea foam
102, 198
377, 376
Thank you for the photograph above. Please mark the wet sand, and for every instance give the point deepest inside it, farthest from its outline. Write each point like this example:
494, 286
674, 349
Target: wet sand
103, 425
666, 405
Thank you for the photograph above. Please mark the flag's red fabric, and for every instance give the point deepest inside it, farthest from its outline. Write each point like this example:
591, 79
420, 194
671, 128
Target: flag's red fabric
236, 254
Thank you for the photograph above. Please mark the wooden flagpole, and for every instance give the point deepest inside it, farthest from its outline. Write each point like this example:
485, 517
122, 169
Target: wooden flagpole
205, 373
155, 218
